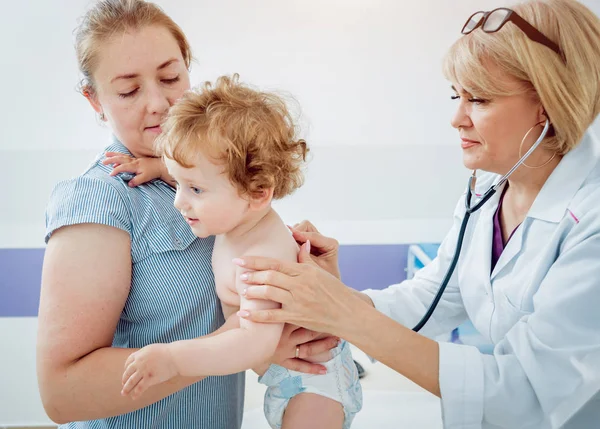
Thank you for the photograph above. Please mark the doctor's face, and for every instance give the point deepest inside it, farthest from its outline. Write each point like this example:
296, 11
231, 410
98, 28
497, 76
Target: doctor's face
491, 130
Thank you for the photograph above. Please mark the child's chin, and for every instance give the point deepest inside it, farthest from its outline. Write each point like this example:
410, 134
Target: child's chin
201, 232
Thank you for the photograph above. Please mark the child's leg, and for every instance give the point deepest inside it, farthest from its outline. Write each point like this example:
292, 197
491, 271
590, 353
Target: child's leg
309, 410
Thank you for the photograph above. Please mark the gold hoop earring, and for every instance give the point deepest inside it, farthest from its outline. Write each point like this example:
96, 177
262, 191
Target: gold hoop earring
521, 147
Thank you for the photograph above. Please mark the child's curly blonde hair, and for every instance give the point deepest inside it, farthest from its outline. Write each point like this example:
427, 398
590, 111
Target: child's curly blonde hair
248, 131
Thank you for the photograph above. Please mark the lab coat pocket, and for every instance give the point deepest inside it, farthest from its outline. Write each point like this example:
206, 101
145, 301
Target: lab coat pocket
521, 301
508, 313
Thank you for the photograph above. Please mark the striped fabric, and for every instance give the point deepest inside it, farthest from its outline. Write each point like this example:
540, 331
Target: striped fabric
172, 293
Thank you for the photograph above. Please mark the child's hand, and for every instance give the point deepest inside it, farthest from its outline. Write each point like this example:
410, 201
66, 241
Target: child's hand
148, 366
144, 169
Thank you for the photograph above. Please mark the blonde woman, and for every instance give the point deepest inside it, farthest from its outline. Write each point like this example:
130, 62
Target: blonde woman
528, 276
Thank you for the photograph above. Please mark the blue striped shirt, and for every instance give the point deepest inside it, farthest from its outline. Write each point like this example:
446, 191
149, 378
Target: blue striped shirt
172, 294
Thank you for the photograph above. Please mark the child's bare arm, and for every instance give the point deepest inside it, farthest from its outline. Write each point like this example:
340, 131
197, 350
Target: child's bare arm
232, 351
250, 345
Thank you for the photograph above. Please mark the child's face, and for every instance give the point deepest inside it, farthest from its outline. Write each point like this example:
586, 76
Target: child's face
208, 201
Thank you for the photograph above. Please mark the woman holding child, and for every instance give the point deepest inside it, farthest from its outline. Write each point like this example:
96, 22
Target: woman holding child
122, 268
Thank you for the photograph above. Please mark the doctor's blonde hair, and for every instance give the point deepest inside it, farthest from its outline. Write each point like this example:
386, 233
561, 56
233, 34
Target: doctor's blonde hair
568, 90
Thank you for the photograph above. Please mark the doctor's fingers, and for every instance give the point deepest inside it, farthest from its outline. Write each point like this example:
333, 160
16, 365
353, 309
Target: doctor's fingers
304, 231
269, 277
261, 263
270, 293
305, 226
319, 243
274, 315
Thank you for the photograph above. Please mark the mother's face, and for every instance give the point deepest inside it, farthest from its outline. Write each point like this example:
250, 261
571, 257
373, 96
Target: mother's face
139, 75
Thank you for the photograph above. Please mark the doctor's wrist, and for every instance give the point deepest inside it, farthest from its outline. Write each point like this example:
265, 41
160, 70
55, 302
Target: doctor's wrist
364, 297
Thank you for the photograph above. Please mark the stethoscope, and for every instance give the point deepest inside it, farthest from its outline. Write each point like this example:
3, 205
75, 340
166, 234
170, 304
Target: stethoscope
468, 212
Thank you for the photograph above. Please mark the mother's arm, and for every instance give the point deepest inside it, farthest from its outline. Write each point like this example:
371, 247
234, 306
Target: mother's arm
85, 283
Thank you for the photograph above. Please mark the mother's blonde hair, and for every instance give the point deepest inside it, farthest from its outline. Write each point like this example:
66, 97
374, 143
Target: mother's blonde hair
568, 90
107, 18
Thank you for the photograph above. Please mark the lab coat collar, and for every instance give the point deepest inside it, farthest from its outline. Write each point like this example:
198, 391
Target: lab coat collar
566, 179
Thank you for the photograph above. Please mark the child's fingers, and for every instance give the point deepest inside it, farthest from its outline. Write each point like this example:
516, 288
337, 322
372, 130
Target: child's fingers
130, 360
139, 179
114, 154
121, 159
125, 168
129, 370
140, 388
131, 383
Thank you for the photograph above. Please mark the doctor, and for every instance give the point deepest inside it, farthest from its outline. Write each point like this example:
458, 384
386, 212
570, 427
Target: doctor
528, 276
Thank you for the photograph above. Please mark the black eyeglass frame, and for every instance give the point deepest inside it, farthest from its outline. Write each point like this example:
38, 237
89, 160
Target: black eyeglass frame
512, 16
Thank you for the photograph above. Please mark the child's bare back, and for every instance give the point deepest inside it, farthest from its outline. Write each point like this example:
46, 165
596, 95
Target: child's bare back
270, 237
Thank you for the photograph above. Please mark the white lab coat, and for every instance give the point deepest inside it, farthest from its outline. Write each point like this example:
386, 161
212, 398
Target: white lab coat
540, 306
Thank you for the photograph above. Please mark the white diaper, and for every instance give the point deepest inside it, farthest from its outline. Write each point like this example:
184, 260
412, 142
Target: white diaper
340, 384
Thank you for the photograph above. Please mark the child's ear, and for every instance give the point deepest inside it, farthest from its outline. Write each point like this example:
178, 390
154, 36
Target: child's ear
262, 200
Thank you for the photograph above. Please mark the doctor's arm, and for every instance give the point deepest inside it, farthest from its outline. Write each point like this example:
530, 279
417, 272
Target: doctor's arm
407, 302
544, 360
540, 368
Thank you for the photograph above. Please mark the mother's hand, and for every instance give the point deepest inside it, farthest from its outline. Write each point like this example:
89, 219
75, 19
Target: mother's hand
310, 296
298, 344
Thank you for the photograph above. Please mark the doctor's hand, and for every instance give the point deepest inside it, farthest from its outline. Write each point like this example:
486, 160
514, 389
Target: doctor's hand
323, 250
310, 296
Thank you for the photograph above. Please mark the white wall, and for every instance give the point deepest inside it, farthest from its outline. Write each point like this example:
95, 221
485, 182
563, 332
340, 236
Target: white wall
376, 110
